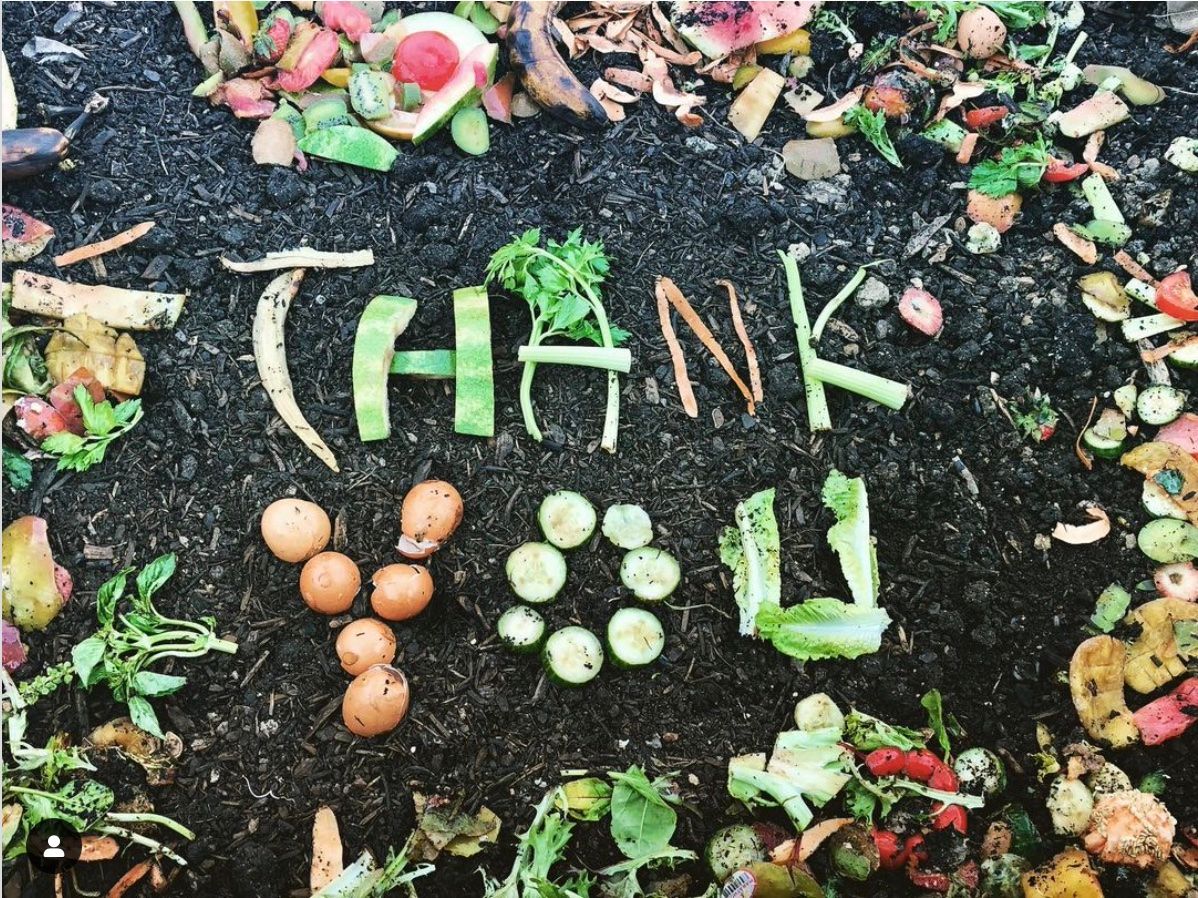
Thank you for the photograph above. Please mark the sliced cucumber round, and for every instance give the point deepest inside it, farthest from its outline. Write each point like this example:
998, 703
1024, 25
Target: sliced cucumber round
1168, 541
567, 519
1158, 503
651, 574
1159, 404
627, 526
1102, 447
1185, 357
521, 628
635, 637
1125, 399
572, 656
536, 572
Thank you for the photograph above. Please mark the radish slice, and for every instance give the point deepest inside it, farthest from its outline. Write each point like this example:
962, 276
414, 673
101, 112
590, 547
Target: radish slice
1183, 432
921, 310
1177, 581
1170, 715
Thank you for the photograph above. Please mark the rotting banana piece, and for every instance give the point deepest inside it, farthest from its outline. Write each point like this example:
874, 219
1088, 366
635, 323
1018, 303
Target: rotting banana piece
271, 355
1096, 684
533, 53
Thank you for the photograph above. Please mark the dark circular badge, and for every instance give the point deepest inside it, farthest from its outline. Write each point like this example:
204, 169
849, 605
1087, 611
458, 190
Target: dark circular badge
53, 847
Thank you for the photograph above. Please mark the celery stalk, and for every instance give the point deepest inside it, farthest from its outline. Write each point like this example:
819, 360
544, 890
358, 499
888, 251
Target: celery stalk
582, 356
818, 416
889, 393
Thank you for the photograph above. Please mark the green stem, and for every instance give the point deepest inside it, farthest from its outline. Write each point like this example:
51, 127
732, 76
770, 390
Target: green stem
144, 841
818, 416
159, 819
889, 393
826, 313
582, 356
530, 370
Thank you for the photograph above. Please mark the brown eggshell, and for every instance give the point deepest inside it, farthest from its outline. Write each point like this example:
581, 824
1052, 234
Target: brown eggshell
980, 33
430, 514
364, 643
295, 530
376, 701
329, 582
401, 591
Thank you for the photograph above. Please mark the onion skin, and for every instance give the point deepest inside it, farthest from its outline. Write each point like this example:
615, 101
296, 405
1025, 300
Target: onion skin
376, 702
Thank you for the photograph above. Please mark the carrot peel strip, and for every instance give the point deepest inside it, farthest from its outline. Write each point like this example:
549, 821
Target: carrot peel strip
679, 302
135, 875
100, 247
750, 352
685, 392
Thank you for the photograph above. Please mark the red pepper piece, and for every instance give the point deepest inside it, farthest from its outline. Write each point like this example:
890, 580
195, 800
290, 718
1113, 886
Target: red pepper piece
1175, 296
1059, 172
920, 764
885, 761
980, 119
891, 854
944, 779
952, 816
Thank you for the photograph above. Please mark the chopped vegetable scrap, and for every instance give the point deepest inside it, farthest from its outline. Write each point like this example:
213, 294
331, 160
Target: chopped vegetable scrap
93, 250
364, 878
136, 310
383, 320
443, 825
752, 550
24, 237
35, 586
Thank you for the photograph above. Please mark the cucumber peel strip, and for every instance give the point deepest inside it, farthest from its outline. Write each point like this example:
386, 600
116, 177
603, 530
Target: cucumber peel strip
384, 319
474, 400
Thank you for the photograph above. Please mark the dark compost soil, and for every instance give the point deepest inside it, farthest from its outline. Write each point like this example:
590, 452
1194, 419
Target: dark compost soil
979, 611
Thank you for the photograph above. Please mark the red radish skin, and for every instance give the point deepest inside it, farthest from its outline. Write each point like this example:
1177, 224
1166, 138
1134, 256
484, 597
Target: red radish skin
1177, 581
38, 418
891, 853
13, 648
980, 119
1059, 172
951, 817
920, 764
944, 779
426, 58
1170, 715
921, 310
1183, 432
62, 579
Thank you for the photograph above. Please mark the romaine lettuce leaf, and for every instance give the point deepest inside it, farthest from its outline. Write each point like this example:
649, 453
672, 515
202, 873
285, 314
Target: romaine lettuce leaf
753, 552
823, 628
849, 536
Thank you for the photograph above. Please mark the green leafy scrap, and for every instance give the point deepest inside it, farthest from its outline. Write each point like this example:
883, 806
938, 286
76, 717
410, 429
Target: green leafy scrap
939, 722
642, 820
18, 470
1016, 168
102, 423
872, 126
866, 733
1110, 608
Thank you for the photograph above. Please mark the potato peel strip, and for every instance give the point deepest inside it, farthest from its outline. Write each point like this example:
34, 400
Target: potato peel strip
100, 247
685, 392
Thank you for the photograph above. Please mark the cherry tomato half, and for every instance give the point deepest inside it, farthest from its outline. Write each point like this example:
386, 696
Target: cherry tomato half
980, 119
427, 58
1059, 172
885, 761
952, 816
891, 853
921, 764
1175, 296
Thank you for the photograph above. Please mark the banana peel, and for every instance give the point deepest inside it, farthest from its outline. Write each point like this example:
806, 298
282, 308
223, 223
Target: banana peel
533, 54
112, 358
1096, 676
1153, 660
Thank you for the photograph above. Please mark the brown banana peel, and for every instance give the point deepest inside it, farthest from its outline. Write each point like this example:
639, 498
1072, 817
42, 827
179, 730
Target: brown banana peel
533, 53
1096, 674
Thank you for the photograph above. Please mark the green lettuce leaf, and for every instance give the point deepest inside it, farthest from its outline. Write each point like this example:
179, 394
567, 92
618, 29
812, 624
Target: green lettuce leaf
849, 536
823, 628
808, 767
753, 552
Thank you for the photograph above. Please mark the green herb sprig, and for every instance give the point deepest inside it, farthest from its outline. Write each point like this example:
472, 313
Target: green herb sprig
872, 125
102, 423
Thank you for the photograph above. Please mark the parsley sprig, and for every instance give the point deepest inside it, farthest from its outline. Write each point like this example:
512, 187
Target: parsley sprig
1015, 168
872, 126
102, 423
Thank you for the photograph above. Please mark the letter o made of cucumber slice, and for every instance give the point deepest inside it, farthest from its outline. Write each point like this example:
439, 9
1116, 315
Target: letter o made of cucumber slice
1159, 404
651, 574
536, 572
572, 656
627, 526
521, 629
567, 519
634, 637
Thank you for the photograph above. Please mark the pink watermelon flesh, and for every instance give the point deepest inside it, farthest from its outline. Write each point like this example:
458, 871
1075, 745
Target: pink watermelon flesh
719, 28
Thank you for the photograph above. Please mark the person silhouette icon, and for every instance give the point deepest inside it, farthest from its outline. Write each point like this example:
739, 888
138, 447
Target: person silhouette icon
53, 851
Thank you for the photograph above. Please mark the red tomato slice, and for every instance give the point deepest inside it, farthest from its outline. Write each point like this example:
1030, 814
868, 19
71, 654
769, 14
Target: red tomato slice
1175, 296
1059, 172
427, 58
979, 119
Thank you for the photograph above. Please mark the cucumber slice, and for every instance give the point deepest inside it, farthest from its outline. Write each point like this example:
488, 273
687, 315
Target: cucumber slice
732, 848
651, 574
536, 572
1158, 503
1168, 541
1125, 399
627, 526
572, 656
1185, 356
521, 628
1102, 446
1159, 404
470, 131
634, 637
1139, 290
567, 519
